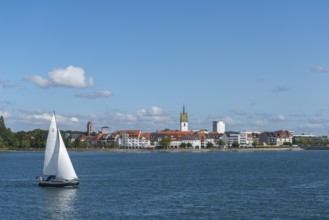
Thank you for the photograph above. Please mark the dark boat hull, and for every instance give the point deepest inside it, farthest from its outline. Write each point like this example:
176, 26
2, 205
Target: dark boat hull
65, 183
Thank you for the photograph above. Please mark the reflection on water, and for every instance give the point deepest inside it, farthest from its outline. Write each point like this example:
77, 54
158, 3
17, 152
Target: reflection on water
59, 203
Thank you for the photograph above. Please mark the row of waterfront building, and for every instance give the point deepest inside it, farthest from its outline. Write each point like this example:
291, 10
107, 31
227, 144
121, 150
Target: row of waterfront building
198, 139
193, 139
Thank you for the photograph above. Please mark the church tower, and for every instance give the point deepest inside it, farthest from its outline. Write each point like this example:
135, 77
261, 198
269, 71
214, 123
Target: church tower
183, 120
89, 128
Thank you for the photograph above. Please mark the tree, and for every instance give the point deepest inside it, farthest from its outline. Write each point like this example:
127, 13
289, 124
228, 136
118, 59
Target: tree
209, 145
189, 145
287, 144
112, 144
165, 142
38, 138
220, 143
68, 143
301, 142
23, 139
100, 144
79, 144
182, 145
7, 138
324, 142
235, 144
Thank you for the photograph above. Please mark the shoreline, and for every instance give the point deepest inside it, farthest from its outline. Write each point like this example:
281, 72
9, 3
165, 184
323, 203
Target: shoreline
170, 150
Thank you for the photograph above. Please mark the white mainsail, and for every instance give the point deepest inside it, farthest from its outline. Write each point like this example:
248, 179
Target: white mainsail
57, 161
51, 157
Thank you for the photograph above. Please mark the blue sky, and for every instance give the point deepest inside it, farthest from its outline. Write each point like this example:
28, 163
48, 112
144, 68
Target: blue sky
256, 65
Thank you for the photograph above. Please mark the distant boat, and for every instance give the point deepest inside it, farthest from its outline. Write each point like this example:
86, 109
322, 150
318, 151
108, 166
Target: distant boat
58, 170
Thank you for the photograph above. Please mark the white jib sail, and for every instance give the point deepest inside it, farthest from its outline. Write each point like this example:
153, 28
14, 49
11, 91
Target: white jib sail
65, 168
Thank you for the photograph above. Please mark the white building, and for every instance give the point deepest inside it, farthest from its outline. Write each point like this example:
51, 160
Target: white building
105, 130
195, 143
246, 138
218, 126
132, 139
230, 137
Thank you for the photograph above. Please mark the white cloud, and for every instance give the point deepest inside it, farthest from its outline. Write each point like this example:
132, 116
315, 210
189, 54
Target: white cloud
150, 119
231, 121
279, 118
74, 120
99, 94
38, 80
156, 111
153, 111
30, 121
155, 114
34, 120
65, 119
71, 76
5, 114
43, 116
118, 116
146, 119
260, 122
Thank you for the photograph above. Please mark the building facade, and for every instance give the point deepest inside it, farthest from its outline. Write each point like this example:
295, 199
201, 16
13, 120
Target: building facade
133, 139
218, 126
105, 130
231, 137
277, 138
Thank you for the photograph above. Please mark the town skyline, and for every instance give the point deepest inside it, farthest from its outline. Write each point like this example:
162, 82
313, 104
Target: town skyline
133, 65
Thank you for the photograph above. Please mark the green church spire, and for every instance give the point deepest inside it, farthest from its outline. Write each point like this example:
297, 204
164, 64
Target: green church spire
183, 115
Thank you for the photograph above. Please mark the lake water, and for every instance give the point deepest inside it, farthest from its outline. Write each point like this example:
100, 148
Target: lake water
216, 185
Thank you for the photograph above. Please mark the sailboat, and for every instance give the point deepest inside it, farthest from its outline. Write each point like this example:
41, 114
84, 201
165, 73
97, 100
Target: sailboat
58, 170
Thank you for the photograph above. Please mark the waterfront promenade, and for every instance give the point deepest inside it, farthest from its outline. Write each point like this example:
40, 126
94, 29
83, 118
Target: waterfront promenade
169, 150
